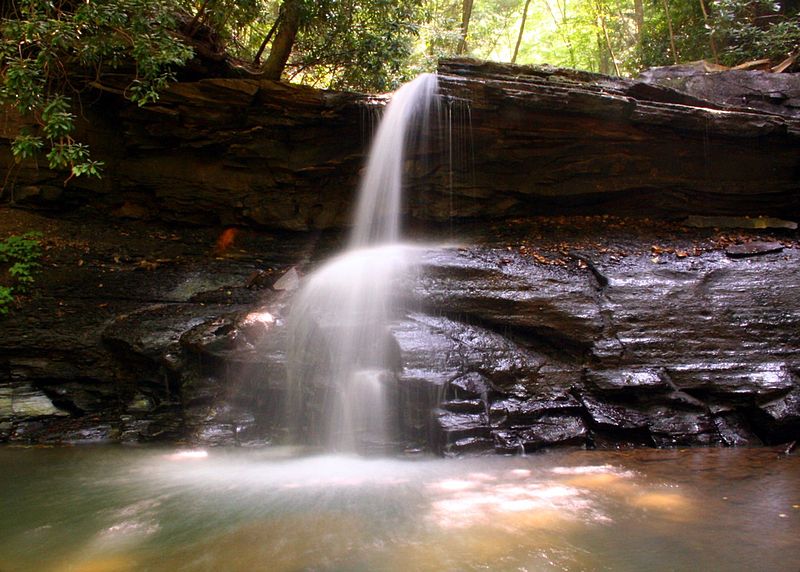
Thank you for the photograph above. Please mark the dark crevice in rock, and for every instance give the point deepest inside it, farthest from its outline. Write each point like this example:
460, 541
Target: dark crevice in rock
545, 340
604, 431
59, 400
689, 397
777, 421
600, 278
736, 429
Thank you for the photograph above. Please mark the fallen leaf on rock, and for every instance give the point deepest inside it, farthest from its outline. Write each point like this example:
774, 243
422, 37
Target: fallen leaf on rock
147, 265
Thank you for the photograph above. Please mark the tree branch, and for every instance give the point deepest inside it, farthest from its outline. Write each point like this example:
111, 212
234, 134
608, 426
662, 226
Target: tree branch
521, 31
466, 15
263, 46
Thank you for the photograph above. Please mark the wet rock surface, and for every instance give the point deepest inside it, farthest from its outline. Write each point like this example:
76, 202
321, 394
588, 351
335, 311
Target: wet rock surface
602, 330
529, 334
670, 351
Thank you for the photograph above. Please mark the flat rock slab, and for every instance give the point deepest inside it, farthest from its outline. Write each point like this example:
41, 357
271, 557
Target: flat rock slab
754, 248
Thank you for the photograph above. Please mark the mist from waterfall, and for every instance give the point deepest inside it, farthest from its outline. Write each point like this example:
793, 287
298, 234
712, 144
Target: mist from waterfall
342, 359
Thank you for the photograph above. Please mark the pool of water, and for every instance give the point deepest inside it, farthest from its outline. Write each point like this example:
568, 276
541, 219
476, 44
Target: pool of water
118, 509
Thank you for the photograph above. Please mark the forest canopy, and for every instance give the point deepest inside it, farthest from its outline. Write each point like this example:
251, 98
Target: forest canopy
52, 51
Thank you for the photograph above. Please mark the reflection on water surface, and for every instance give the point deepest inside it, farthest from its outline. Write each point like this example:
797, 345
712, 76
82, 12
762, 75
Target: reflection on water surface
115, 509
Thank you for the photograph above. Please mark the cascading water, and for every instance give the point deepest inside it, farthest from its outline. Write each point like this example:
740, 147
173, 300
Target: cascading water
379, 199
342, 358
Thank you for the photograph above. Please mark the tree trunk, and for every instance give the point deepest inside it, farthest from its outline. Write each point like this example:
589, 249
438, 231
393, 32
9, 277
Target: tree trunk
198, 18
711, 39
466, 15
638, 18
521, 31
671, 32
602, 21
284, 40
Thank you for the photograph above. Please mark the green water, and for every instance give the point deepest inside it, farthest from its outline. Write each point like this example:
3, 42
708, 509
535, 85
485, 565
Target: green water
115, 509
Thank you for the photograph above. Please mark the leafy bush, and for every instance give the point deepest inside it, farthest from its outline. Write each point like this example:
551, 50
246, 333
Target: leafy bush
755, 29
50, 51
19, 259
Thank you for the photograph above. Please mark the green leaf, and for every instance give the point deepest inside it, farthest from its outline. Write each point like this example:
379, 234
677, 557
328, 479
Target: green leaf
25, 146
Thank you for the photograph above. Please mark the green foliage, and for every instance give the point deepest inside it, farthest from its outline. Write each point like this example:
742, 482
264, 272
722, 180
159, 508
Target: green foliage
691, 36
6, 299
356, 44
438, 34
19, 259
49, 50
238, 26
343, 44
26, 145
494, 27
755, 29
627, 35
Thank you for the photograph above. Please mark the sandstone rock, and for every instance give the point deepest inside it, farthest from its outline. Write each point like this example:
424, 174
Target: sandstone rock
777, 93
538, 140
498, 348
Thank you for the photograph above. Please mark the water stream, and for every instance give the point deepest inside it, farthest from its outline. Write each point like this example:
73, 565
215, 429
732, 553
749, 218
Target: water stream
377, 217
342, 359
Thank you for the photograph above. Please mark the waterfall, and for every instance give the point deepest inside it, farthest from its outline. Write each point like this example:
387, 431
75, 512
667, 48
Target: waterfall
377, 219
342, 358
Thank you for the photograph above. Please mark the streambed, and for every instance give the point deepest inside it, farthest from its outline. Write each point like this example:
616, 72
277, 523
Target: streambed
99, 508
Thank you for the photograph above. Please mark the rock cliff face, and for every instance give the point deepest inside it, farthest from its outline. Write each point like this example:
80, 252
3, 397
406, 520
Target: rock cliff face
546, 140
579, 331
217, 151
511, 141
533, 332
